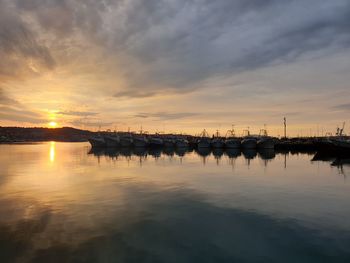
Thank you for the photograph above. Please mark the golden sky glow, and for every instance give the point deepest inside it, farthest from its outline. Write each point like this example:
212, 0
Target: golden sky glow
130, 63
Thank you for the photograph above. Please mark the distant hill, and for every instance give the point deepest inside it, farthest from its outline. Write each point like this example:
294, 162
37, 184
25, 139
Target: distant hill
21, 134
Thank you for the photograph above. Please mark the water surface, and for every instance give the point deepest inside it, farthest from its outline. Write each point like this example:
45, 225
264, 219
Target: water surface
61, 202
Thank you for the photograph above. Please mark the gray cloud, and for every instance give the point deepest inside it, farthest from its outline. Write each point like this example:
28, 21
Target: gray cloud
20, 50
75, 16
182, 43
176, 45
134, 94
343, 107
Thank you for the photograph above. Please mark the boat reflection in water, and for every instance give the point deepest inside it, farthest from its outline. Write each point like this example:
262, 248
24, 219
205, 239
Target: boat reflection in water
218, 153
172, 152
336, 160
267, 154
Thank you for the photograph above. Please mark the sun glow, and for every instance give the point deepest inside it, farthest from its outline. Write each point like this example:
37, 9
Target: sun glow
52, 124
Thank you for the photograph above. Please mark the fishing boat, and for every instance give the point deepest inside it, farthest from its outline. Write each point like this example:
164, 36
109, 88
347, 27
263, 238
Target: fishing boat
156, 141
97, 141
341, 145
181, 142
169, 141
140, 140
217, 141
112, 140
126, 140
248, 142
338, 144
265, 141
231, 141
204, 140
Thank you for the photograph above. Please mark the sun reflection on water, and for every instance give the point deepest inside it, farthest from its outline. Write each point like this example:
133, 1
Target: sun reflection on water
52, 151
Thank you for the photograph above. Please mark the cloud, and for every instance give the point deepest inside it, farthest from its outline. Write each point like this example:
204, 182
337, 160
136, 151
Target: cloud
167, 115
21, 51
77, 113
12, 110
12, 114
90, 123
343, 107
6, 100
179, 44
175, 45
134, 94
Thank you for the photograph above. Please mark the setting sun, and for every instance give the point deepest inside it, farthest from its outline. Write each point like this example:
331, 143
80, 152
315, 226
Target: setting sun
52, 124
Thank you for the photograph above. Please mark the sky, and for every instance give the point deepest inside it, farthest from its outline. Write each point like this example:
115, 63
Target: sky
176, 65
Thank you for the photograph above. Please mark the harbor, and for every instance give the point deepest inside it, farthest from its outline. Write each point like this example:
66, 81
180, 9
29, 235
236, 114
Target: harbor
337, 144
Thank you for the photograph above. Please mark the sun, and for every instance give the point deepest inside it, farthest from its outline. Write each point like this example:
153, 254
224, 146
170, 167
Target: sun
52, 124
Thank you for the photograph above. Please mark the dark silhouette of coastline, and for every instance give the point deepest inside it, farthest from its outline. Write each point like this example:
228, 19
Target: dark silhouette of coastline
38, 134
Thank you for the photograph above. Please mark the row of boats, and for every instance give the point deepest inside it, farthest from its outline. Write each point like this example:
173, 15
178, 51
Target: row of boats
230, 141
137, 140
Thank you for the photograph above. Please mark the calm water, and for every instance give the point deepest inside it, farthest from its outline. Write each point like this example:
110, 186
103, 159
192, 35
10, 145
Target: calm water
60, 203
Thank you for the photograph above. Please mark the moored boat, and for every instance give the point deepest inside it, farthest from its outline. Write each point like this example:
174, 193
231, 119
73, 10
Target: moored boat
140, 141
169, 142
231, 141
112, 141
97, 141
217, 141
126, 140
338, 144
156, 141
249, 143
181, 143
266, 143
341, 145
204, 140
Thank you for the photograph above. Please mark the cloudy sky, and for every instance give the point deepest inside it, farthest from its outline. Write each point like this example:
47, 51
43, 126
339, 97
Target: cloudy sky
176, 65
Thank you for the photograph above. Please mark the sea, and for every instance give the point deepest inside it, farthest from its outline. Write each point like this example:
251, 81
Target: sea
64, 202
